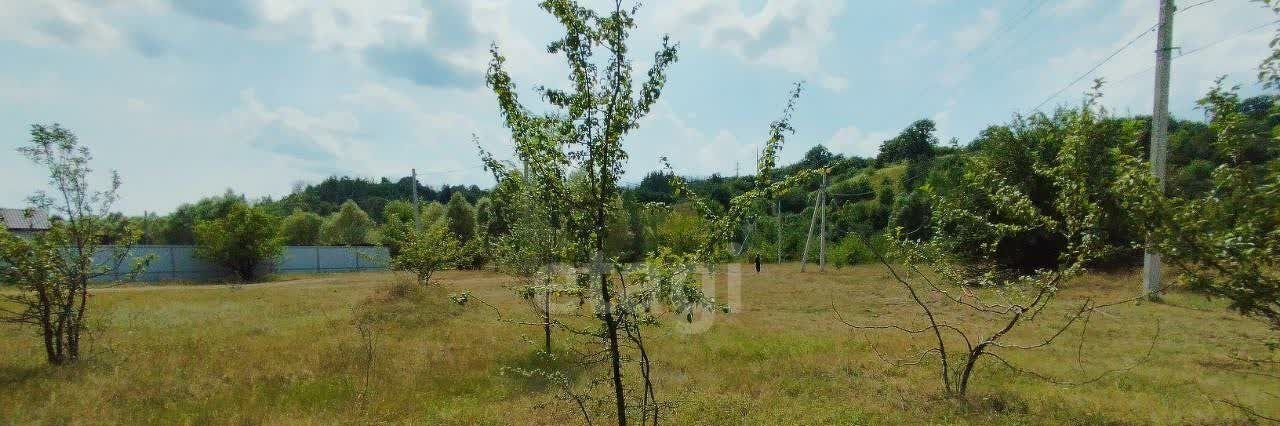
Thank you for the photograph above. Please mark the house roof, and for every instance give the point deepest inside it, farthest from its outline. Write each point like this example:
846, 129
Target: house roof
24, 219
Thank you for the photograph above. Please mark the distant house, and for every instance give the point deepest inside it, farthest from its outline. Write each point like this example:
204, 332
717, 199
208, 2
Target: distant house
24, 221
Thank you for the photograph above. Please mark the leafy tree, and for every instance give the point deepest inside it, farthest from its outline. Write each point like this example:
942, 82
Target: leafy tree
181, 224
398, 210
1017, 155
655, 187
302, 228
818, 156
680, 231
244, 240
462, 218
586, 131
350, 226
424, 252
1225, 242
52, 270
972, 304
432, 213
915, 143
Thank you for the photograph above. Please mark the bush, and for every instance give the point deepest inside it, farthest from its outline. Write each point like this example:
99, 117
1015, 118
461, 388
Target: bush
243, 240
424, 252
350, 226
302, 228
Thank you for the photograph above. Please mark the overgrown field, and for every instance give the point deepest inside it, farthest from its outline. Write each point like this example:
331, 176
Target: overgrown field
294, 352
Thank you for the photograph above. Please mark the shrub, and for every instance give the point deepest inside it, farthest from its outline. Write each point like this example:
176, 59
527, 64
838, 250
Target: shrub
243, 240
350, 226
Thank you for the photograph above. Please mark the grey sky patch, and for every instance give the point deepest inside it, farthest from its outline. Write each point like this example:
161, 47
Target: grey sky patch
451, 25
419, 65
289, 142
62, 30
775, 35
148, 44
236, 13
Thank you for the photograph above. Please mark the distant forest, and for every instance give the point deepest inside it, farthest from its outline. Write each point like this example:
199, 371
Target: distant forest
865, 195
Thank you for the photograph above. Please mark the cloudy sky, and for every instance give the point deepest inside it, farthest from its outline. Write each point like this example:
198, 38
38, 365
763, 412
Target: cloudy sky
189, 97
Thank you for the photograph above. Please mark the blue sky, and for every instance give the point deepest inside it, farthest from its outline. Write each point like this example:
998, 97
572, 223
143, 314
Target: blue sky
189, 98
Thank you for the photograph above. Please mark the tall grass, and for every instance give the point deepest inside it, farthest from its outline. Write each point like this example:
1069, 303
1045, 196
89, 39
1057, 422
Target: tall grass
293, 352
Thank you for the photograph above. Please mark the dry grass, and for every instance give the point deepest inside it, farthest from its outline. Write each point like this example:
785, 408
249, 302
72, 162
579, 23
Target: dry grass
292, 352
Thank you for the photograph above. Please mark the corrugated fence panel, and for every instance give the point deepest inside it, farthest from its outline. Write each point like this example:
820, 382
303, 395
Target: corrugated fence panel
178, 263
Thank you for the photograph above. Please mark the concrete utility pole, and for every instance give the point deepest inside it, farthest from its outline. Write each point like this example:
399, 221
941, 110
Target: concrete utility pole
417, 223
1159, 131
822, 240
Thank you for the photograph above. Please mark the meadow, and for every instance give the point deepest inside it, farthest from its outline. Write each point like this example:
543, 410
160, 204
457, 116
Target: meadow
359, 348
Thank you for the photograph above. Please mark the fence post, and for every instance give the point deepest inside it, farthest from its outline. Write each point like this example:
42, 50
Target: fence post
317, 249
173, 263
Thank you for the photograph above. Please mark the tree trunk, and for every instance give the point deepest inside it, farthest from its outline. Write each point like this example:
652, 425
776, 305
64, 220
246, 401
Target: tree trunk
611, 327
546, 320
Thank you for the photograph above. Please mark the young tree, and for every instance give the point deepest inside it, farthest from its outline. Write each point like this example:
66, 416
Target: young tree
424, 252
52, 271
1226, 242
350, 226
970, 303
243, 241
586, 130
302, 228
534, 244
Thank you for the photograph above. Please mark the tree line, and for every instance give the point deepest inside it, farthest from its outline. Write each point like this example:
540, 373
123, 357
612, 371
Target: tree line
980, 237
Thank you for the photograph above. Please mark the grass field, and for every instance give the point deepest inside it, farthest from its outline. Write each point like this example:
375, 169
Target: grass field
290, 352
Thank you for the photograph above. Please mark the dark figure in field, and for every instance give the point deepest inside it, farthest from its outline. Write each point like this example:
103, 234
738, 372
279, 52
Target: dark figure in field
757, 263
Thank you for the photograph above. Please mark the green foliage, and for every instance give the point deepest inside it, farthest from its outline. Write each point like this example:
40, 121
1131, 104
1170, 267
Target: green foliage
398, 210
350, 226
585, 131
682, 231
52, 270
1225, 242
181, 224
915, 143
244, 241
462, 218
302, 228
853, 250
1027, 156
974, 229
423, 253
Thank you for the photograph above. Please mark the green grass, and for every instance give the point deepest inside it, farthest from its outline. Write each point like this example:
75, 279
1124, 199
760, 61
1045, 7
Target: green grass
289, 352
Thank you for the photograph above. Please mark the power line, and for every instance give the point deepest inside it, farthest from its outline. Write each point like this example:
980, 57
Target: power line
1194, 6
1095, 67
1007, 28
1203, 47
1113, 55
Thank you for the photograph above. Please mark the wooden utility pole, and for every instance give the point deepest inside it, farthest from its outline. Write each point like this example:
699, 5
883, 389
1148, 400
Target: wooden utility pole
804, 256
417, 223
1159, 131
777, 214
822, 232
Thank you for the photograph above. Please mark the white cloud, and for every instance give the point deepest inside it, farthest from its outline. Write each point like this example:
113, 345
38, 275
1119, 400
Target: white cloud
971, 36
697, 153
851, 140
1070, 7
321, 143
785, 34
57, 22
1128, 75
